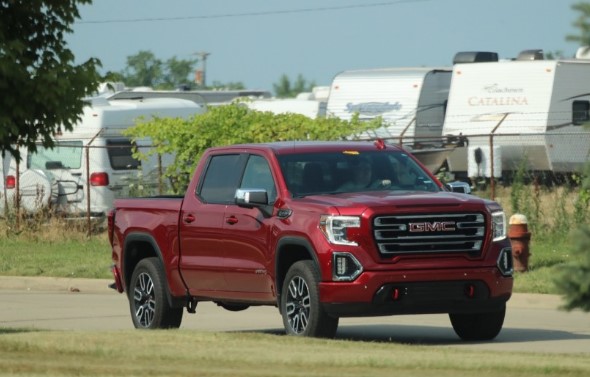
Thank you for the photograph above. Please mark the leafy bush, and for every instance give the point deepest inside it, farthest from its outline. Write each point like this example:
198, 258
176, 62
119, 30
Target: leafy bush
574, 280
230, 124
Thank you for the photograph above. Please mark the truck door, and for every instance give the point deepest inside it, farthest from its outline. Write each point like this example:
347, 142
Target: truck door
247, 235
202, 235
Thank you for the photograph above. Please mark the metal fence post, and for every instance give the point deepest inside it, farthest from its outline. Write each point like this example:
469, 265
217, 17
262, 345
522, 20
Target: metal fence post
17, 223
88, 221
160, 183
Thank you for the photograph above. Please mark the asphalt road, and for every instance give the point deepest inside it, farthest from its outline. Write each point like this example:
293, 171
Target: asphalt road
534, 323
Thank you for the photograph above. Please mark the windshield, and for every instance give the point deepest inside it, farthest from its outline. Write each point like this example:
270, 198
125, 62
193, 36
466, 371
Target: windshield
353, 171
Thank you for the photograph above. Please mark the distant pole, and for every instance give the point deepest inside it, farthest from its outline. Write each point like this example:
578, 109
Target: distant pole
203, 56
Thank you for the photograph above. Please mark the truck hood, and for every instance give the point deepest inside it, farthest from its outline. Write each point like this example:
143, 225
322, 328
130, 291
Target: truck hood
395, 199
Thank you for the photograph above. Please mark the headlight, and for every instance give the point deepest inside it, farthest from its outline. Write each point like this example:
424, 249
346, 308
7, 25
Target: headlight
335, 228
498, 226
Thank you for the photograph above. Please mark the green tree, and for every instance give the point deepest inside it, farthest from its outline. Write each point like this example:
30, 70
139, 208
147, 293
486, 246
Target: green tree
144, 69
233, 124
285, 89
574, 280
42, 89
177, 72
582, 24
237, 85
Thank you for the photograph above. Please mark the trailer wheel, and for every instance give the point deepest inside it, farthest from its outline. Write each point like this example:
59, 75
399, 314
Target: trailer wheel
148, 301
301, 309
478, 326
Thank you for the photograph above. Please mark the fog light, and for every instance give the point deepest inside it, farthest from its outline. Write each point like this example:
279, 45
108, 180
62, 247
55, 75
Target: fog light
346, 267
505, 264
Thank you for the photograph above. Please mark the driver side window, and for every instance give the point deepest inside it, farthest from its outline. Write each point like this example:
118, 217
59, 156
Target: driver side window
258, 176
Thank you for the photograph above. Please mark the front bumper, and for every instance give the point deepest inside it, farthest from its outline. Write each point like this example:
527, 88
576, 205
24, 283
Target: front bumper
417, 292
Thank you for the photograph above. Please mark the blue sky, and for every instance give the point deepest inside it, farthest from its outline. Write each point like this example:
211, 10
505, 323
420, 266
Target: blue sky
257, 41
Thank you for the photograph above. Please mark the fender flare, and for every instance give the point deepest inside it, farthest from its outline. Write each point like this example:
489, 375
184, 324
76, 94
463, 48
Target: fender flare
146, 238
279, 250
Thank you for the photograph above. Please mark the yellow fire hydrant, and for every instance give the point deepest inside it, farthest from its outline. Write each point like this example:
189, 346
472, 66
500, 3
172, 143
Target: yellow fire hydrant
519, 236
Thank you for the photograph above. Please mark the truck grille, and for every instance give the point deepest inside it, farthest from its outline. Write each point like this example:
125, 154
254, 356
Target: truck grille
434, 233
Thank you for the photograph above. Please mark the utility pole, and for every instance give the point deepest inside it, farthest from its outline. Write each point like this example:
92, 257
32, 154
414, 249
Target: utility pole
203, 56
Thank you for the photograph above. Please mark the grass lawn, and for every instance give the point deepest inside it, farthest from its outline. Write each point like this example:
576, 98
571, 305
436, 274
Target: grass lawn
191, 353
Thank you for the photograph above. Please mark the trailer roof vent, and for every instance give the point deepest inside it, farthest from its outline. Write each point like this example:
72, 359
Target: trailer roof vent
531, 55
475, 57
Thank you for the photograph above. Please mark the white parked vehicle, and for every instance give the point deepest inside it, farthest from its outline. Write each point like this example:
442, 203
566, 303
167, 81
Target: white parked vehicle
410, 101
535, 108
94, 152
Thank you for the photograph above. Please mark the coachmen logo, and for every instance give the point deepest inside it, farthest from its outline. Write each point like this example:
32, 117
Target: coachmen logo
436, 226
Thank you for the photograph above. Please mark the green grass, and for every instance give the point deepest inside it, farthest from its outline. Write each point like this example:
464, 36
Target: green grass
191, 353
71, 253
547, 257
64, 254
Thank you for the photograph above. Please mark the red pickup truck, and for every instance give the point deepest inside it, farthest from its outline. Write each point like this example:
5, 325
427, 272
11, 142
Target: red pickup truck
321, 230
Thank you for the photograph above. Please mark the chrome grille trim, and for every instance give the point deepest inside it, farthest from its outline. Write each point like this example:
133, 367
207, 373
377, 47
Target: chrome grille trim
429, 233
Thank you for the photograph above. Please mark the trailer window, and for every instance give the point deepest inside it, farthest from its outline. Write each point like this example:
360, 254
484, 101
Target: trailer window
120, 153
580, 112
64, 155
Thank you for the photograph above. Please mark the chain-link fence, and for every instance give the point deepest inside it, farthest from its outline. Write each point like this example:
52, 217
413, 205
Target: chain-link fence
79, 182
490, 157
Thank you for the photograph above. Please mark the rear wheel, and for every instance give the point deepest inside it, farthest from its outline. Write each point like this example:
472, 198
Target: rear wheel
148, 301
478, 326
302, 312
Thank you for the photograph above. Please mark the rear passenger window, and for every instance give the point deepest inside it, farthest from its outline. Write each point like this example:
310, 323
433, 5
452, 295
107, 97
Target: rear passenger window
221, 179
120, 153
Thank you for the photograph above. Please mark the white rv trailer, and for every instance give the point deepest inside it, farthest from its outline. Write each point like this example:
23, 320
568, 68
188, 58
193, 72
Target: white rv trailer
541, 103
58, 177
410, 101
311, 104
201, 97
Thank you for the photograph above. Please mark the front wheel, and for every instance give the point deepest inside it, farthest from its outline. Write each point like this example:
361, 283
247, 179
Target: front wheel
478, 326
302, 312
148, 301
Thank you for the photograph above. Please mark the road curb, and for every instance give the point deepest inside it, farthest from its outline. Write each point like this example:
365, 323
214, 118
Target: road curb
42, 283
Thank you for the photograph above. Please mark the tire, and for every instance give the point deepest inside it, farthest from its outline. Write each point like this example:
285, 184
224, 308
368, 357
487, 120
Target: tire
148, 301
478, 326
301, 309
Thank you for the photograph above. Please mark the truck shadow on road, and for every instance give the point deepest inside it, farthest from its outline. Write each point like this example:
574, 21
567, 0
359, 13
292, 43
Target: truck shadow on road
433, 335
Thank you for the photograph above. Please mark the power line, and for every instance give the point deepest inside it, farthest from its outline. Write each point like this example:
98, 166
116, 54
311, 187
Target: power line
251, 14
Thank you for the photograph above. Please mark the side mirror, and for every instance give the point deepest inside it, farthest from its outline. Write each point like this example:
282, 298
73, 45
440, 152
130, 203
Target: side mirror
459, 186
251, 198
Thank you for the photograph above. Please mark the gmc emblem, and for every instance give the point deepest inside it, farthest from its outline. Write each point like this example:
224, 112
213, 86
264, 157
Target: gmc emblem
436, 226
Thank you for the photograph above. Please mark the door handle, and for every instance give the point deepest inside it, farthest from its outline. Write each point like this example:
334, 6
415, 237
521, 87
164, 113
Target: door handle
231, 220
189, 218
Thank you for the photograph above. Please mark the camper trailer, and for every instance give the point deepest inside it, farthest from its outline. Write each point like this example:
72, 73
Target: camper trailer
410, 101
93, 160
533, 108
311, 104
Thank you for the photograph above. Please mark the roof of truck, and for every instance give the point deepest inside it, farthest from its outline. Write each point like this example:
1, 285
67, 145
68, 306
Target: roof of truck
288, 147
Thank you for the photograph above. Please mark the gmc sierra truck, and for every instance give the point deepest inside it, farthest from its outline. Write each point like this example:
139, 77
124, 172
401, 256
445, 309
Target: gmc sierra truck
321, 230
